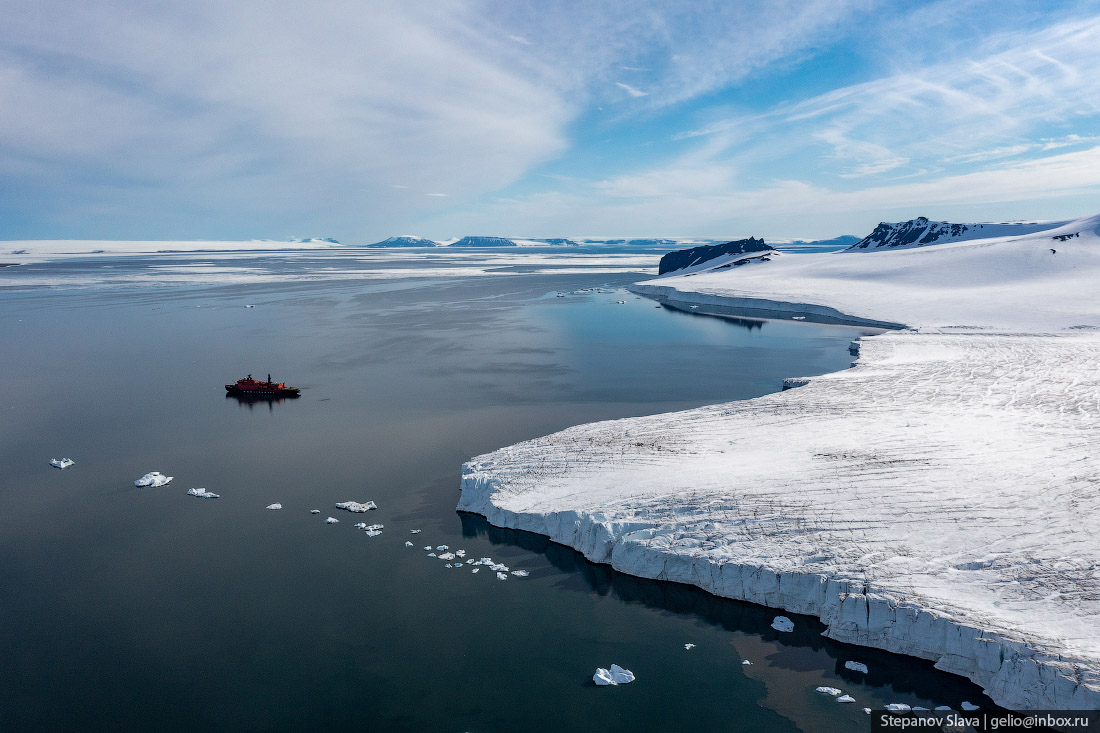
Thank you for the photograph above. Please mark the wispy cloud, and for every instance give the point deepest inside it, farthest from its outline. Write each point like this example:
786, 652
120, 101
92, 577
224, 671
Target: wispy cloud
630, 90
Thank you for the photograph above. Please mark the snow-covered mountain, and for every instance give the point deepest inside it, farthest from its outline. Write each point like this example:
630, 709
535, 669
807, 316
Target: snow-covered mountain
405, 241
685, 258
921, 232
483, 242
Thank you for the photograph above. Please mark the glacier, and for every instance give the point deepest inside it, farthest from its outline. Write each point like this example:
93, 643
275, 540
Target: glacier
929, 501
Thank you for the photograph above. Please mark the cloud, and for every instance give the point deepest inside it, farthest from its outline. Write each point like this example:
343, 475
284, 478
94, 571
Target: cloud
630, 90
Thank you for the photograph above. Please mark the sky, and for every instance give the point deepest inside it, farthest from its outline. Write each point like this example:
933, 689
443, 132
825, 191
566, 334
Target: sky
360, 120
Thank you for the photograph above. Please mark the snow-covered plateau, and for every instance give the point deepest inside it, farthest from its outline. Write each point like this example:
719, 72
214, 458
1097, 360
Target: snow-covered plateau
934, 500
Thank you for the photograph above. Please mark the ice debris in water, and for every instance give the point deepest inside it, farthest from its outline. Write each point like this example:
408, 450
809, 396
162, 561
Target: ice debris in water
408, 544
431, 554
153, 478
427, 547
856, 667
782, 623
61, 462
867, 710
898, 707
845, 698
968, 706
276, 505
361, 525
447, 565
943, 707
372, 532
746, 663
203, 494
614, 676
331, 520
375, 527
355, 506
689, 646
829, 691
441, 548
414, 531
446, 556
475, 570
460, 553
314, 511
502, 576
520, 573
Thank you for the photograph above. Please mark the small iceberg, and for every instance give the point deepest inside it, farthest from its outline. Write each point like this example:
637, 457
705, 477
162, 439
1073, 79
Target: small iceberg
689, 646
154, 479
355, 506
943, 708
372, 532
502, 576
360, 525
331, 520
856, 667
845, 698
276, 505
520, 573
829, 691
441, 548
475, 570
314, 511
968, 706
61, 462
614, 676
414, 531
782, 623
446, 556
408, 544
427, 547
746, 663
898, 707
203, 494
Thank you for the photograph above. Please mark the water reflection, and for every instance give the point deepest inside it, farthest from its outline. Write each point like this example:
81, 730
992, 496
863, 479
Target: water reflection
250, 401
894, 674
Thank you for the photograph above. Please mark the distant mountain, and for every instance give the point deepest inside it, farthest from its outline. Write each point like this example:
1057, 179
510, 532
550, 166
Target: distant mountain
406, 241
921, 232
306, 240
846, 240
484, 242
698, 255
559, 242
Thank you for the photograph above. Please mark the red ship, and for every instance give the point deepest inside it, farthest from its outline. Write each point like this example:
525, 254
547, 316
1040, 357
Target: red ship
249, 387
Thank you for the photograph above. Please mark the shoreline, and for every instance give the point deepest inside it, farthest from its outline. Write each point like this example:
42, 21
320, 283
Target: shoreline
564, 486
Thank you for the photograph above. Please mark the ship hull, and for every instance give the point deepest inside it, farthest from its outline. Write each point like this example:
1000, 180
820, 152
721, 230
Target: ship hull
274, 392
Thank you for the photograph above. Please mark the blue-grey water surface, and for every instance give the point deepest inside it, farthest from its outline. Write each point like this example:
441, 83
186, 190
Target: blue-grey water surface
147, 609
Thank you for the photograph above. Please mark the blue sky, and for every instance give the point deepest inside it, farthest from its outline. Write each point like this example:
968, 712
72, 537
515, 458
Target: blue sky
362, 120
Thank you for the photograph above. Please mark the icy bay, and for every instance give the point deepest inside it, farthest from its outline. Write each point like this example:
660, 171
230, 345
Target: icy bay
143, 608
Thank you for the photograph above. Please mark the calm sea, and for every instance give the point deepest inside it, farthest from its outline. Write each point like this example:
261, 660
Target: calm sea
147, 609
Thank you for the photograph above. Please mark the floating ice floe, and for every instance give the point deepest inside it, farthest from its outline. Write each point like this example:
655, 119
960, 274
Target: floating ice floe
499, 568
458, 564
867, 710
798, 318
431, 554
414, 531
746, 663
360, 525
829, 691
331, 520
61, 462
355, 506
427, 547
446, 556
502, 576
441, 548
856, 667
374, 527
845, 698
250, 306
460, 553
276, 505
689, 646
943, 707
898, 707
968, 706
782, 623
153, 478
475, 570
614, 676
408, 544
447, 565
203, 494
372, 532
520, 573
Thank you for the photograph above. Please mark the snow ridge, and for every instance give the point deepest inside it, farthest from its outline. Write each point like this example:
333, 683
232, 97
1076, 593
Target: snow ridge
920, 232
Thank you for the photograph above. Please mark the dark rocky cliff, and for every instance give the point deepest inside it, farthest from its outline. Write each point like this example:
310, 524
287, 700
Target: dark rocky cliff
697, 255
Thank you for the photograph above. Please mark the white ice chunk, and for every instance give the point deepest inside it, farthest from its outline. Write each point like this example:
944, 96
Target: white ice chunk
502, 576
689, 646
782, 623
856, 667
746, 663
458, 564
61, 462
331, 520
620, 676
431, 554
375, 527
898, 707
355, 506
153, 478
361, 525
460, 553
520, 573
475, 570
276, 505
943, 707
968, 706
441, 548
408, 544
414, 531
203, 494
499, 568
829, 691
447, 565
446, 556
427, 547
314, 511
867, 710
845, 698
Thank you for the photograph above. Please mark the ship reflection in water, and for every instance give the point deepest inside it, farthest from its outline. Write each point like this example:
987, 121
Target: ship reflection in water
251, 400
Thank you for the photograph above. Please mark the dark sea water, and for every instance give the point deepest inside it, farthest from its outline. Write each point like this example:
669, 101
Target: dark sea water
147, 609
